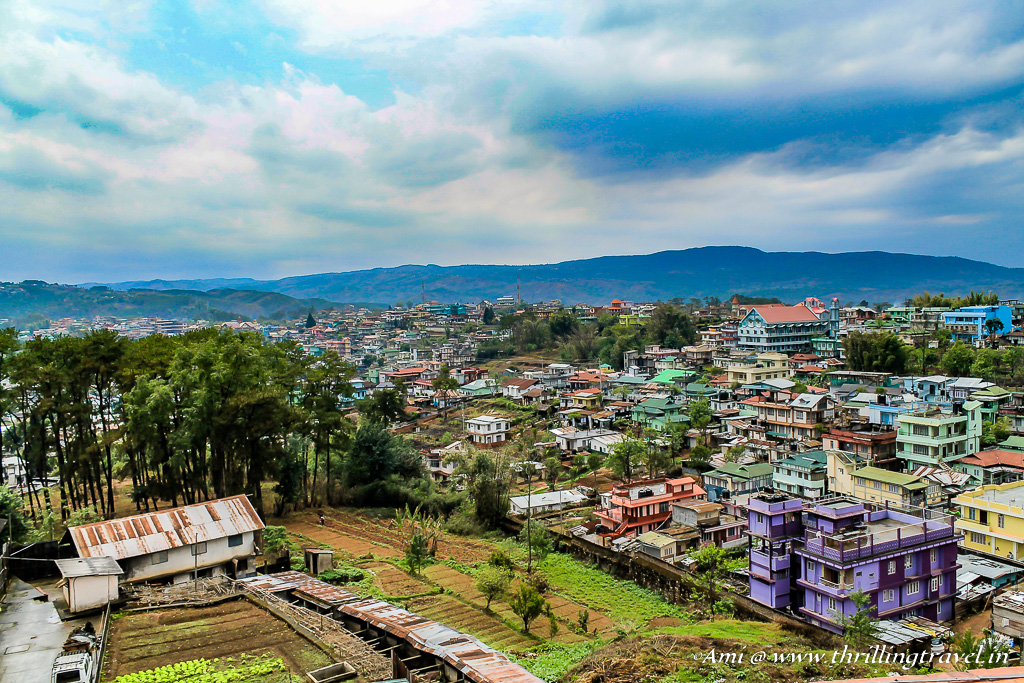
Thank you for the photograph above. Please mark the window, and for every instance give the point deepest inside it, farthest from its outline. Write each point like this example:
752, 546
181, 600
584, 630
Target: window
810, 566
908, 561
199, 548
892, 567
893, 488
160, 557
888, 595
934, 556
860, 481
832, 604
979, 539
935, 583
971, 513
877, 484
913, 587
1001, 521
234, 540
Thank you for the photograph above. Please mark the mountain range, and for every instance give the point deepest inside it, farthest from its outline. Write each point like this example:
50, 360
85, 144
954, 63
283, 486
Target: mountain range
875, 276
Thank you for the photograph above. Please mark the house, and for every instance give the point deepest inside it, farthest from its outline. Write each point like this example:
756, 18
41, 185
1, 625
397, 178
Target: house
935, 435
577, 440
633, 508
733, 479
875, 444
658, 413
974, 324
804, 475
549, 501
438, 461
488, 431
904, 559
791, 416
664, 546
878, 485
840, 466
992, 466
89, 583
992, 520
767, 365
513, 388
781, 328
993, 572
216, 538
715, 526
480, 387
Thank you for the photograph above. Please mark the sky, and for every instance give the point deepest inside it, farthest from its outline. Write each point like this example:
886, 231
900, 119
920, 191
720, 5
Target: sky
268, 138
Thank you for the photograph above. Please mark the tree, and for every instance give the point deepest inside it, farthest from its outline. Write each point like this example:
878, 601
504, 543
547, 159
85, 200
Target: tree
527, 604
710, 563
1013, 359
700, 456
735, 453
859, 628
993, 433
987, 363
994, 326
488, 487
958, 359
552, 469
417, 552
876, 352
310, 321
699, 412
10, 509
537, 541
376, 454
384, 406
594, 461
492, 583
625, 456
488, 316
670, 326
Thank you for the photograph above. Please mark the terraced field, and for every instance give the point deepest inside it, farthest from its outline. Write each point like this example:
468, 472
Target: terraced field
449, 611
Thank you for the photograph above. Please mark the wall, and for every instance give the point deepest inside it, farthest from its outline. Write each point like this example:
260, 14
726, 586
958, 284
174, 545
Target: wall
181, 560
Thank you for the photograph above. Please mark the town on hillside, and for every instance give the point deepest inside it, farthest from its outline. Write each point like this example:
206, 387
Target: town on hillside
512, 491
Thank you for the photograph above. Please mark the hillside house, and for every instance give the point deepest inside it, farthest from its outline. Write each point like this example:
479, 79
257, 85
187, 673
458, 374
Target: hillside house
488, 431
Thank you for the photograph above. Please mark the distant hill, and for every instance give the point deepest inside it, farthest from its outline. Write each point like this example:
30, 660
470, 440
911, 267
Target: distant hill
35, 299
705, 271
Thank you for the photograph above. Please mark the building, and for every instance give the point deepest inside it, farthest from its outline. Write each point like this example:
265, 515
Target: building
488, 431
549, 501
513, 388
634, 508
766, 366
89, 583
781, 328
904, 559
733, 479
714, 525
875, 444
934, 435
804, 474
217, 538
878, 485
774, 527
992, 520
992, 466
791, 416
971, 324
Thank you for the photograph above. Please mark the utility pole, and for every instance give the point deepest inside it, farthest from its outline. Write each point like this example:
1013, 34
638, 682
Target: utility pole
423, 290
519, 293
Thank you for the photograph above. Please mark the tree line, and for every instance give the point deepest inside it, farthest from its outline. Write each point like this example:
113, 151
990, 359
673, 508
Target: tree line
199, 416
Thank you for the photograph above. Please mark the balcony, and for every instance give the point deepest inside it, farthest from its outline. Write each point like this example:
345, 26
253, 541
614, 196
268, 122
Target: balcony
776, 563
846, 548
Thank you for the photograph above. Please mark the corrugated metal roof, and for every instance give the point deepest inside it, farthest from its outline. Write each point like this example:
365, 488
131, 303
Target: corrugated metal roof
157, 531
472, 658
88, 566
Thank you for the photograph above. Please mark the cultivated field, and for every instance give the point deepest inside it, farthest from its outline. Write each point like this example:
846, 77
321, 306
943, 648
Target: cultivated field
140, 641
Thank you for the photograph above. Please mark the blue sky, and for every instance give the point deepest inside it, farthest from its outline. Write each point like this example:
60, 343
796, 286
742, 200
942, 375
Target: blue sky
268, 138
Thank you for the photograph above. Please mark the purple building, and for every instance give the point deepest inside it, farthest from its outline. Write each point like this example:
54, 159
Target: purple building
774, 522
904, 559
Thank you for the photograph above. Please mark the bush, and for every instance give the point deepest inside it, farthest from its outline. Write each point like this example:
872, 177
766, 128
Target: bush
502, 561
342, 575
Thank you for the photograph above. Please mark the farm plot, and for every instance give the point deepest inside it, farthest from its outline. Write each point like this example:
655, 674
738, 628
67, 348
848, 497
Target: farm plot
141, 641
393, 582
449, 611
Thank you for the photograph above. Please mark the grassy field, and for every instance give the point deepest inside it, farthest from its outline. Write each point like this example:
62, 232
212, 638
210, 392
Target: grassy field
141, 641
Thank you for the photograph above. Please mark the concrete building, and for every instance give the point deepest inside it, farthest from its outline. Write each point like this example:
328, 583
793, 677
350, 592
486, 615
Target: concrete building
970, 324
219, 537
89, 583
882, 486
733, 479
549, 501
633, 508
813, 556
780, 328
935, 435
488, 431
875, 444
804, 475
992, 520
768, 365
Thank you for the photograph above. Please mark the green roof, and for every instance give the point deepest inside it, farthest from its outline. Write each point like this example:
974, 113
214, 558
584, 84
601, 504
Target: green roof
809, 460
1014, 443
667, 376
990, 393
737, 471
907, 481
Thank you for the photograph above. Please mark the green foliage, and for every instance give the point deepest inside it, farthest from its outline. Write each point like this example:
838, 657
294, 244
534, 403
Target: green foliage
489, 491
859, 628
492, 583
527, 604
876, 352
993, 433
377, 454
625, 457
957, 360
342, 575
417, 553
537, 540
552, 661
10, 508
249, 669
501, 561
274, 539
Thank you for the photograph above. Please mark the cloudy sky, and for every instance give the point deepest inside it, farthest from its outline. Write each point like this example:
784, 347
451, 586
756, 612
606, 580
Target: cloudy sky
270, 138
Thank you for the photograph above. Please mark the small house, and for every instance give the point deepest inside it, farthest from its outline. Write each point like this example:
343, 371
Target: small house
89, 583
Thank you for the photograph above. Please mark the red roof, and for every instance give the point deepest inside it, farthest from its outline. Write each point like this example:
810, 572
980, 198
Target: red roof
995, 456
778, 313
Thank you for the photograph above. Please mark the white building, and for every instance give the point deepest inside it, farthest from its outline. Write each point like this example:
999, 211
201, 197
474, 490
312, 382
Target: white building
219, 537
487, 431
89, 582
548, 501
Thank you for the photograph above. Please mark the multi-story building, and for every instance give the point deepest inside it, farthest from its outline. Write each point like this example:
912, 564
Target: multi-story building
992, 466
733, 479
776, 327
633, 508
935, 435
804, 475
812, 557
970, 324
488, 431
791, 417
992, 520
878, 485
767, 365
874, 443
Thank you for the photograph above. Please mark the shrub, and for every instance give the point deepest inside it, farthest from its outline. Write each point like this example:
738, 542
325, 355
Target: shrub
342, 575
